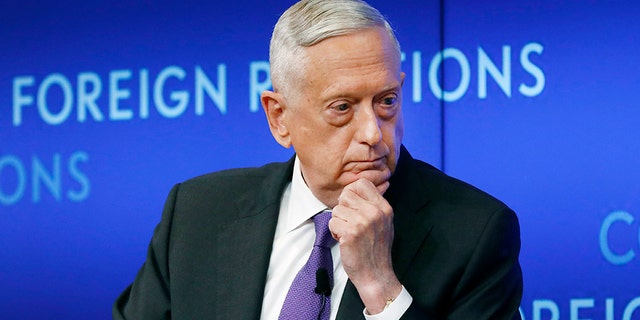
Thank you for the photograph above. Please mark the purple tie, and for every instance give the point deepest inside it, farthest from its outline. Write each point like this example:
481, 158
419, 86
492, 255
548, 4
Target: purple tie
302, 302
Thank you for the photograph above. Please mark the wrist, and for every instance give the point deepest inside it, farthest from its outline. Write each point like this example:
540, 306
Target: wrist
378, 296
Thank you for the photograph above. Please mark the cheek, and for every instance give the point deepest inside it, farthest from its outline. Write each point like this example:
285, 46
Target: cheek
324, 146
399, 131
338, 139
393, 133
304, 135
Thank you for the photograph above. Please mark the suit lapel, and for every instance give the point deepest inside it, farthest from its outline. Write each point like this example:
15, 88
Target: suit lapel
408, 195
245, 245
351, 305
245, 263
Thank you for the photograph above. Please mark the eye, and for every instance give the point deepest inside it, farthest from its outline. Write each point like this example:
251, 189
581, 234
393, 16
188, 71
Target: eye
389, 101
339, 112
388, 106
341, 107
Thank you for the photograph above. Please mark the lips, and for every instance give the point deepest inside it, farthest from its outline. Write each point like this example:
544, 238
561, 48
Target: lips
374, 164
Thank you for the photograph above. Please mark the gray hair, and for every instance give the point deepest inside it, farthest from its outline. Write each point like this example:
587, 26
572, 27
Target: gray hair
309, 22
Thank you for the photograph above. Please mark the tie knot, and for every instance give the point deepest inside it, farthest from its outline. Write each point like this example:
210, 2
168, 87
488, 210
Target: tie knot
323, 235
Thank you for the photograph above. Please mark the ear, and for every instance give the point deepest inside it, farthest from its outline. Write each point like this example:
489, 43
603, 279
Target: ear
275, 108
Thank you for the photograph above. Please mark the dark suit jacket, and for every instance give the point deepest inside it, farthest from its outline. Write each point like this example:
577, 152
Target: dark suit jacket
455, 248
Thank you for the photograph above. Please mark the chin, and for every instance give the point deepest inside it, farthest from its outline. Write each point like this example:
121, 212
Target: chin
377, 177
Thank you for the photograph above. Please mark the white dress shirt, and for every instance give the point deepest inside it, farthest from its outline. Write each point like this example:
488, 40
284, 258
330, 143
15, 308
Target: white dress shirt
294, 238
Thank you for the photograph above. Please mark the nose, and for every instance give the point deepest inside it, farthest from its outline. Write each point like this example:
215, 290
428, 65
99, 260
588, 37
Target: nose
368, 126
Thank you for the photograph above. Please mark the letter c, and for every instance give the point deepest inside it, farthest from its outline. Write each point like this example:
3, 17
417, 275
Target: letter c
604, 239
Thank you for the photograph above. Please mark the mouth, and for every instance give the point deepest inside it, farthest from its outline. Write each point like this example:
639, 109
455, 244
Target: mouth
370, 164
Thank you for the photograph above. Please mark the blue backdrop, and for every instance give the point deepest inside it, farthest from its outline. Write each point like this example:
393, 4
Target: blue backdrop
105, 105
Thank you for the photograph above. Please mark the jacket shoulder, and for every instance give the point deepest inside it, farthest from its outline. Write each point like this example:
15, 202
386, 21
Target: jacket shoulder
452, 191
235, 191
234, 179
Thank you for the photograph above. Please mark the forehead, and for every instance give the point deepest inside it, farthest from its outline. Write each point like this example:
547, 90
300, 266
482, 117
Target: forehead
368, 55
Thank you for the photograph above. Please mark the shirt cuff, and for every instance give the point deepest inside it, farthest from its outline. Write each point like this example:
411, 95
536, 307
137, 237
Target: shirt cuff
395, 310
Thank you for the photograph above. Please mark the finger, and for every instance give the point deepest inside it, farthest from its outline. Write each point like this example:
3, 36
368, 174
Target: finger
338, 227
348, 223
360, 216
362, 192
382, 188
363, 189
341, 212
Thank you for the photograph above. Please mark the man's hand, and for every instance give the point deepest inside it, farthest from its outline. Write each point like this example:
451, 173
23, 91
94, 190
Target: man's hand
362, 223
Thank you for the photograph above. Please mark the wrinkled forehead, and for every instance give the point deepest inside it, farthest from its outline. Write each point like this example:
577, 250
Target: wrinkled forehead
360, 50
357, 64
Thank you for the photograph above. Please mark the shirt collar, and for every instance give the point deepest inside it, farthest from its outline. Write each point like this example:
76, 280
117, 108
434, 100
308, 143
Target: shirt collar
302, 203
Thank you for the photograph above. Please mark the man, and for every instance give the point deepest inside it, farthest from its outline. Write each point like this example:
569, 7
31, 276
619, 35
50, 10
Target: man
410, 241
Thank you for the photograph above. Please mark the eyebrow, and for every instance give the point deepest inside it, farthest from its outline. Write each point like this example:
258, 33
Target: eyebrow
349, 92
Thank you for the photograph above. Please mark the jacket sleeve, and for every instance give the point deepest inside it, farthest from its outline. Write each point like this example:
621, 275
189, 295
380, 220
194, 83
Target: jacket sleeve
149, 297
